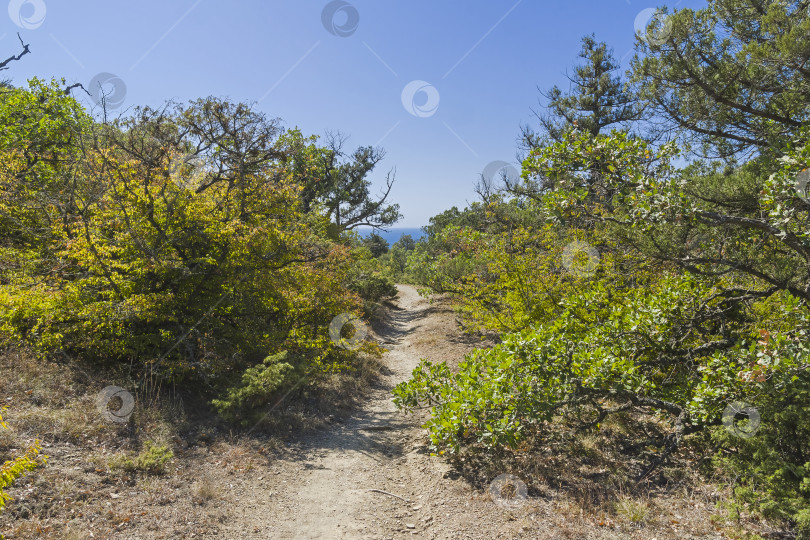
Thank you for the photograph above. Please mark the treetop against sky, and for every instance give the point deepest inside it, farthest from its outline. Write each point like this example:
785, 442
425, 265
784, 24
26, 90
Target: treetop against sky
443, 87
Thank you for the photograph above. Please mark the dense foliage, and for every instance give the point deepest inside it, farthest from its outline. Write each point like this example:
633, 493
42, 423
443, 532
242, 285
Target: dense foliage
186, 244
628, 272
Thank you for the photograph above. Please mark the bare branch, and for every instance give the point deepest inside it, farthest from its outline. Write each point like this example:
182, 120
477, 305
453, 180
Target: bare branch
4, 64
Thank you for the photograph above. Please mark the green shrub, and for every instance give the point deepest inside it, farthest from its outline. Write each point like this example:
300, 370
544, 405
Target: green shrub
188, 273
376, 244
770, 471
13, 469
258, 386
374, 287
152, 459
606, 349
369, 278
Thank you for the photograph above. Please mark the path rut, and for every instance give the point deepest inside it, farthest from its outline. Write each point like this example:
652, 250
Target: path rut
328, 495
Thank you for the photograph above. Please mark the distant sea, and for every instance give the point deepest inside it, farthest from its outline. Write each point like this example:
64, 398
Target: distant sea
393, 234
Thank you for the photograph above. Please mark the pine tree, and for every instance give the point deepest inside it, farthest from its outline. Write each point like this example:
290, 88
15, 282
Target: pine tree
597, 99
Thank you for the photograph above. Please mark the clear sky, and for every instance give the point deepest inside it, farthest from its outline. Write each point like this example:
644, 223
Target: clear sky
346, 65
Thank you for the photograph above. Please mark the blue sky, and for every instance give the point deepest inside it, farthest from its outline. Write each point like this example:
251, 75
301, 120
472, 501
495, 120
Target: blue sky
482, 59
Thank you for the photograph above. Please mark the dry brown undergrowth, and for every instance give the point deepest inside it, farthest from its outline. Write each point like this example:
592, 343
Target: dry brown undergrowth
101, 477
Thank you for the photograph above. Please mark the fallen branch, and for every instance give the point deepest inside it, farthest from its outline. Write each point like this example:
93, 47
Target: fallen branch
386, 493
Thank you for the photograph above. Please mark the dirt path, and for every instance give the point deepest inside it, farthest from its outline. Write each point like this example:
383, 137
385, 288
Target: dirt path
319, 484
325, 493
332, 498
314, 484
323, 488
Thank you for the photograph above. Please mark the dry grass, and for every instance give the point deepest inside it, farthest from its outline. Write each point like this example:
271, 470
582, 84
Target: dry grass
205, 490
99, 478
632, 511
589, 477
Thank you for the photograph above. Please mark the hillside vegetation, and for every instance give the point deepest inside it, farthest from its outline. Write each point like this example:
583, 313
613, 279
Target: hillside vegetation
200, 249
645, 280
647, 274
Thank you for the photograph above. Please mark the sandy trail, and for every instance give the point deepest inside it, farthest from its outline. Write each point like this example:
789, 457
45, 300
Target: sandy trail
326, 493
322, 488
